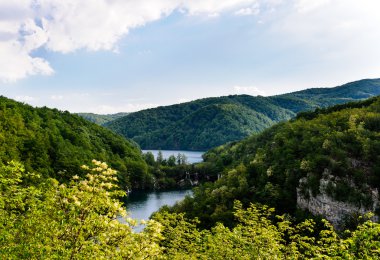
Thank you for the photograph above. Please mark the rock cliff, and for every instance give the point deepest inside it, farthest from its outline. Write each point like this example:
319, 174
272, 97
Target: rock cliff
336, 211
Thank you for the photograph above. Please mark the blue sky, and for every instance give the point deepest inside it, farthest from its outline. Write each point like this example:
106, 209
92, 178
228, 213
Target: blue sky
123, 55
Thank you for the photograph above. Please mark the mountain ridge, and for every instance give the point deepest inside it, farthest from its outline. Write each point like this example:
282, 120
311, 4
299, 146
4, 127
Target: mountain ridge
168, 127
325, 162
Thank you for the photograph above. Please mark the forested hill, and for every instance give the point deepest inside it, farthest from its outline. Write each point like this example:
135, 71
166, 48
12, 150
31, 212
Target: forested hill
327, 162
206, 123
101, 119
83, 218
56, 144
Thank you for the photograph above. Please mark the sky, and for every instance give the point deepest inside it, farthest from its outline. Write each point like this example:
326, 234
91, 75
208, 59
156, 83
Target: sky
108, 56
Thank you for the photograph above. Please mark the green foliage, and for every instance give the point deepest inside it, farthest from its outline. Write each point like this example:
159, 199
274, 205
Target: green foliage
77, 220
81, 220
259, 234
101, 119
149, 158
56, 143
206, 123
172, 173
268, 167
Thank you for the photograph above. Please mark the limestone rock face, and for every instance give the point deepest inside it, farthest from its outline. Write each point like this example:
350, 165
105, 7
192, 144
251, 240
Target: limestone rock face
331, 209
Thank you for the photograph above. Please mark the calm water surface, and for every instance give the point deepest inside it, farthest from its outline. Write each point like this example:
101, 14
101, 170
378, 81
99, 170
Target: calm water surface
140, 205
192, 156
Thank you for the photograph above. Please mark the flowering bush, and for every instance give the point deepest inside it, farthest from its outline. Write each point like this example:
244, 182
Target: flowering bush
74, 221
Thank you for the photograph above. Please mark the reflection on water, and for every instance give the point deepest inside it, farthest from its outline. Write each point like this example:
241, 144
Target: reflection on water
140, 204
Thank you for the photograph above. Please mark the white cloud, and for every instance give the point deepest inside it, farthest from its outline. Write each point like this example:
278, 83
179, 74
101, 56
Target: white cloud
247, 11
196, 7
25, 98
250, 90
17, 63
56, 97
307, 5
341, 34
66, 26
69, 25
251, 10
108, 109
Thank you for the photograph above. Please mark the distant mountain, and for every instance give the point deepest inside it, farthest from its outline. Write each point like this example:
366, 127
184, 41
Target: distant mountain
101, 119
55, 144
209, 122
326, 162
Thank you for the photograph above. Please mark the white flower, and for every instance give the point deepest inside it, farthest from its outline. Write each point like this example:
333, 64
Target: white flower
103, 165
85, 167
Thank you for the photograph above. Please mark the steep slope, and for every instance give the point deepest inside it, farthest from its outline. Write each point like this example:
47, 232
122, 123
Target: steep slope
101, 119
224, 121
327, 162
179, 126
55, 143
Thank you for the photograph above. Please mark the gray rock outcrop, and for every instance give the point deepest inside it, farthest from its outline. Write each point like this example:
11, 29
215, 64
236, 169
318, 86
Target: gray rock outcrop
331, 209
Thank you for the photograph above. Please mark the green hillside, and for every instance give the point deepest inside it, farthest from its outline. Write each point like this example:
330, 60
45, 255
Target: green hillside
101, 119
55, 144
206, 123
42, 218
333, 152
191, 133
81, 220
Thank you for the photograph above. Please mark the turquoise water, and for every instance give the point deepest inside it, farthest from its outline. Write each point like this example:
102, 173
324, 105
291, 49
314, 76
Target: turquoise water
140, 204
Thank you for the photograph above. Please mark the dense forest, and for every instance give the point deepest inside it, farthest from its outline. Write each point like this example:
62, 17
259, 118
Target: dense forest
58, 203
101, 119
338, 147
55, 144
42, 219
206, 123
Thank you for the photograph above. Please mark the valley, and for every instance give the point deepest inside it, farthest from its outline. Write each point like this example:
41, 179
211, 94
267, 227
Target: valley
323, 163
206, 123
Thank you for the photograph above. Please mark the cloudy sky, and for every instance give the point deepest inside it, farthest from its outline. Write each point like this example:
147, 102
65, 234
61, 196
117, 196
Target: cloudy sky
107, 56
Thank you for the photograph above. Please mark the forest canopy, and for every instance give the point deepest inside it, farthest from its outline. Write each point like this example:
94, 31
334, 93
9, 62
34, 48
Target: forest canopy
55, 144
206, 123
79, 220
339, 145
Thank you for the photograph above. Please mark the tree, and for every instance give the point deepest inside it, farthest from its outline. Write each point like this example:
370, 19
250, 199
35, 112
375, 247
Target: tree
74, 221
149, 158
184, 159
42, 219
160, 157
181, 159
171, 160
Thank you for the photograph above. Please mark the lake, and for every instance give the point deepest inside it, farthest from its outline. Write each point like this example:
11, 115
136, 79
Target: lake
192, 156
140, 204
